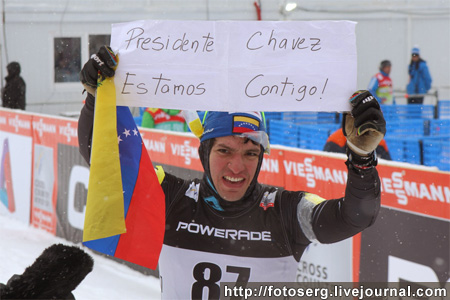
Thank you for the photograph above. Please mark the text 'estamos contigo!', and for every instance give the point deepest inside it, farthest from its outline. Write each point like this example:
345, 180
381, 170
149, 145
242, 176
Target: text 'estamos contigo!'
161, 85
183, 43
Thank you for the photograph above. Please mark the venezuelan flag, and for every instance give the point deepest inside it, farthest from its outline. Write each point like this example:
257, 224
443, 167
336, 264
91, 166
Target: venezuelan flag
125, 210
243, 124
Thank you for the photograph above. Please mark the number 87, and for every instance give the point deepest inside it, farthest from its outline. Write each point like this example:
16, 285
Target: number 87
215, 274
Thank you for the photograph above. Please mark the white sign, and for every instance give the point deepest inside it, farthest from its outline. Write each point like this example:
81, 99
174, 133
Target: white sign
236, 65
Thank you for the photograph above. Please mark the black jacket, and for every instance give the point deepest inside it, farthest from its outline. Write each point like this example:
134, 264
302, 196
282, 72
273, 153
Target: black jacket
13, 94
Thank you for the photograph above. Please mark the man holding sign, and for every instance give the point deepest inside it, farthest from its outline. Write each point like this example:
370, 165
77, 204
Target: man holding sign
226, 227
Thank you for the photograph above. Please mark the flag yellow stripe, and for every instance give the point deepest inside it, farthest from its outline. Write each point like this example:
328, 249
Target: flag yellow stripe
104, 208
247, 119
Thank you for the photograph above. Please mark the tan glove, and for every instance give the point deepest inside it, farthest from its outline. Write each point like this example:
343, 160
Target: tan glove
365, 126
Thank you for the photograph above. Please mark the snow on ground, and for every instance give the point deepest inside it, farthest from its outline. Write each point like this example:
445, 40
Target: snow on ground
21, 244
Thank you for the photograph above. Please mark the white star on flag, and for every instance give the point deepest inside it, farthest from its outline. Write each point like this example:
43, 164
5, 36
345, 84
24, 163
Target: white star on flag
126, 132
135, 131
119, 139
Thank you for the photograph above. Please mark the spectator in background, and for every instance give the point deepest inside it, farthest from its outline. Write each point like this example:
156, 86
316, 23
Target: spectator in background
336, 142
381, 84
419, 78
13, 94
166, 119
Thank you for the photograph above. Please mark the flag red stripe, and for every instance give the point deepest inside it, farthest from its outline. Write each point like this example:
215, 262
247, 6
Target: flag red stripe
241, 129
145, 220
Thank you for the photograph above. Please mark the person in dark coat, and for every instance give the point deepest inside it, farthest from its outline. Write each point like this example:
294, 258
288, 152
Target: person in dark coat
13, 94
53, 275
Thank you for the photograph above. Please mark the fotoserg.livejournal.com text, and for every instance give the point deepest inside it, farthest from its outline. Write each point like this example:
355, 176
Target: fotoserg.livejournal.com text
332, 291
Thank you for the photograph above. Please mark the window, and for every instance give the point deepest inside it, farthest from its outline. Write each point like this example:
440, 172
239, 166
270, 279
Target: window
96, 41
67, 59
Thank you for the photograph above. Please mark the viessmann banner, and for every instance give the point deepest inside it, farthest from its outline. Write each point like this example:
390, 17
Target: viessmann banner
44, 183
406, 187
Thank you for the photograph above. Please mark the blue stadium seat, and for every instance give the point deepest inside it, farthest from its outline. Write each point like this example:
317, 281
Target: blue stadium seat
273, 115
405, 128
439, 127
413, 135
314, 137
443, 109
283, 133
404, 149
436, 152
277, 115
306, 117
405, 111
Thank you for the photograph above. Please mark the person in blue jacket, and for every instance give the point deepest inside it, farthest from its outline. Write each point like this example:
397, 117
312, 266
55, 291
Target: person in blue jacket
419, 78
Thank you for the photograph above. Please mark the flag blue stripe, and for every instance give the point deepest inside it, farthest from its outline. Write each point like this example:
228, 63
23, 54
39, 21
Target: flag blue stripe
130, 149
107, 245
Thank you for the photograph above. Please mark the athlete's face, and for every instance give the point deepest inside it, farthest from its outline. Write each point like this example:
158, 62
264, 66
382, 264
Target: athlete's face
233, 162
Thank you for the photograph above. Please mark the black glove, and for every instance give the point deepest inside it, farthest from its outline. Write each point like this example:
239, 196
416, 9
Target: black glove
101, 64
54, 275
365, 127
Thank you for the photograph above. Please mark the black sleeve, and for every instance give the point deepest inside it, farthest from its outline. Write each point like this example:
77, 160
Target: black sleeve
333, 147
383, 153
336, 220
85, 127
173, 188
295, 235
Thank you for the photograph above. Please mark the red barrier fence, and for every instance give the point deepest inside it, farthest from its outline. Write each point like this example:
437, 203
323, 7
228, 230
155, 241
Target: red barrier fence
43, 182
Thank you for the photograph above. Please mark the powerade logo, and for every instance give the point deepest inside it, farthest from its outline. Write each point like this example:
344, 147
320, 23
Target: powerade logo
232, 234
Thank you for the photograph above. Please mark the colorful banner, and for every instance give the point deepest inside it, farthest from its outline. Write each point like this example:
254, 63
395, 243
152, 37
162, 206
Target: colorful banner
404, 186
15, 164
